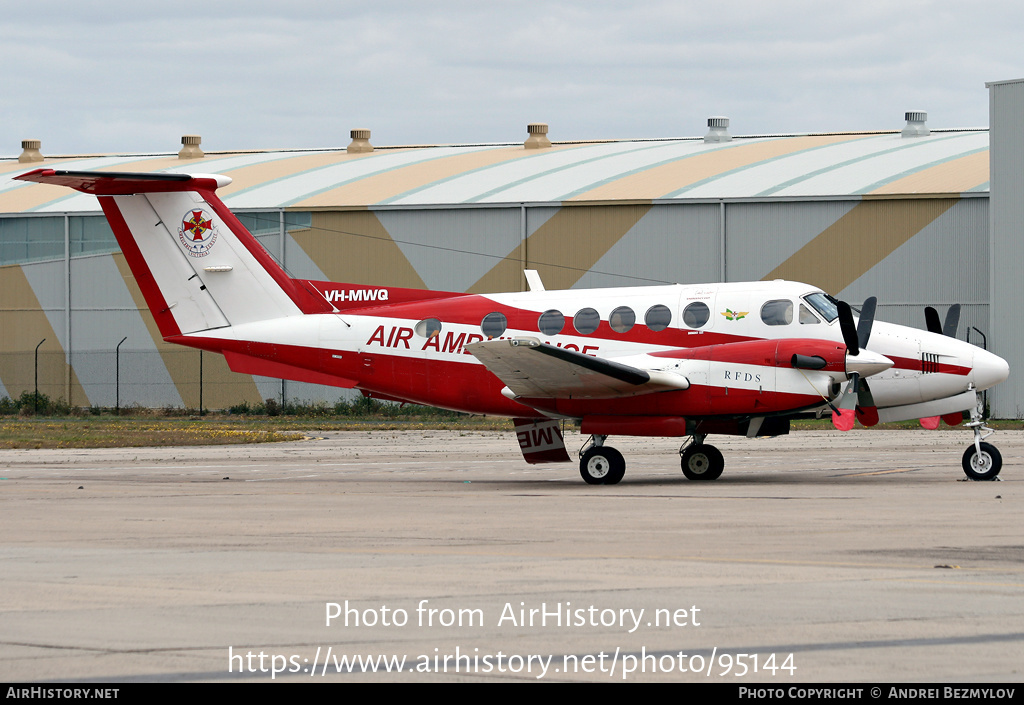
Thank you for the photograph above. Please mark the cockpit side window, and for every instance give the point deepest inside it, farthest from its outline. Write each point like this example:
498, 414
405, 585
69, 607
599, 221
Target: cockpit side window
778, 312
823, 304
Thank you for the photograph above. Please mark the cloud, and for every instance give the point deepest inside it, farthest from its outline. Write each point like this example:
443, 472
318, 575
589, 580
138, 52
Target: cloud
120, 76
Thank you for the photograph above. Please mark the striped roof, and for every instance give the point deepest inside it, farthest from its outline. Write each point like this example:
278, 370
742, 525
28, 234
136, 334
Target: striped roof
802, 166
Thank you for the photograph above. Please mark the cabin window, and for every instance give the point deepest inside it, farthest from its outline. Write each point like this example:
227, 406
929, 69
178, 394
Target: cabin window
696, 314
806, 316
778, 312
586, 321
551, 322
622, 319
494, 324
658, 317
428, 327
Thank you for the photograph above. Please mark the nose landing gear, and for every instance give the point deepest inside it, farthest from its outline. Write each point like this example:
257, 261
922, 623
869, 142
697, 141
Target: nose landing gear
981, 460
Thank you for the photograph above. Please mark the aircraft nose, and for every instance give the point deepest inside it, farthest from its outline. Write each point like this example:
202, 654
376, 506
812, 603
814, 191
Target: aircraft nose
989, 369
867, 363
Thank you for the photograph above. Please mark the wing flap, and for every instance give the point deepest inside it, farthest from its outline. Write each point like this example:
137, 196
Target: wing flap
530, 368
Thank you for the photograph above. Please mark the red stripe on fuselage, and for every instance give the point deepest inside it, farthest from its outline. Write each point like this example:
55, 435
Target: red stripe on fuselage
459, 386
915, 364
470, 387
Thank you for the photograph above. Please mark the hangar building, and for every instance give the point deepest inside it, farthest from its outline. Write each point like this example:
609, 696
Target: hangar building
907, 215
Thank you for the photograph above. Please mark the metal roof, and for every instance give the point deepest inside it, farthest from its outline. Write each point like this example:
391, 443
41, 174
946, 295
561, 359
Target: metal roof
769, 167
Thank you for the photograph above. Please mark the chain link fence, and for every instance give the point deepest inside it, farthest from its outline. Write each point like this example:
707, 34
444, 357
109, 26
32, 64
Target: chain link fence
180, 378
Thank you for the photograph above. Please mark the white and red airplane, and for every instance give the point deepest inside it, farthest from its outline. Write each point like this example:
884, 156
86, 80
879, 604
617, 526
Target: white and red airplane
680, 360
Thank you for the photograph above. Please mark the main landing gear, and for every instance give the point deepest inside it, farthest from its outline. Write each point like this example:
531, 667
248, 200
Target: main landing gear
701, 461
603, 465
981, 460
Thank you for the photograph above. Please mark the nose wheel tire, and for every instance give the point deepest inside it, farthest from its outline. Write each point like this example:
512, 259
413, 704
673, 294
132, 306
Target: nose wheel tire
602, 465
982, 466
702, 462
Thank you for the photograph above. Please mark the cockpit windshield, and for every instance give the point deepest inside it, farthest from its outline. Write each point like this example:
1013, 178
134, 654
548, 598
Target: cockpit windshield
824, 305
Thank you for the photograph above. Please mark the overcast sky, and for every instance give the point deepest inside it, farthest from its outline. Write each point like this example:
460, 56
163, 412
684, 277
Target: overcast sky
133, 76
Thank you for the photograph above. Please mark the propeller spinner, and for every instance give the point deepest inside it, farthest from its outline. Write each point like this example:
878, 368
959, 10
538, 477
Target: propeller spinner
859, 360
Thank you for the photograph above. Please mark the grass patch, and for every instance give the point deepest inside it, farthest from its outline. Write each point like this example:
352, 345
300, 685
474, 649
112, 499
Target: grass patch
61, 426
143, 432
129, 433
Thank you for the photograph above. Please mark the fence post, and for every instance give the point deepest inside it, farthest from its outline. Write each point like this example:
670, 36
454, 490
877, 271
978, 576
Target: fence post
35, 402
200, 383
117, 377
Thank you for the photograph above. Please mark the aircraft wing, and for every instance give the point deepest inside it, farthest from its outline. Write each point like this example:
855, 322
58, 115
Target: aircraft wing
531, 368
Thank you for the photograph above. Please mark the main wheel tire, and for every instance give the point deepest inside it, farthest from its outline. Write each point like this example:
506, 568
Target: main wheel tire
602, 465
702, 462
984, 466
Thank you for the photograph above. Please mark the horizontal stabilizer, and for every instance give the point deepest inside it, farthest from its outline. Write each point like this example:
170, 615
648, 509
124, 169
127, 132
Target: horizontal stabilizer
533, 369
114, 183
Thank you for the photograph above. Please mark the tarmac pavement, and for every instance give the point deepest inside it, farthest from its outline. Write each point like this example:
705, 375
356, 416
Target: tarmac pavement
816, 557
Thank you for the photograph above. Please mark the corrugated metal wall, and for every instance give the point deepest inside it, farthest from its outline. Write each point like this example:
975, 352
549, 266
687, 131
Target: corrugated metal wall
909, 252
1006, 211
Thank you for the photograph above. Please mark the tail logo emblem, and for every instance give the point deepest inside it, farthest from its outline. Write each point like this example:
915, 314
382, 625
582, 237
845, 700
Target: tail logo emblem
197, 232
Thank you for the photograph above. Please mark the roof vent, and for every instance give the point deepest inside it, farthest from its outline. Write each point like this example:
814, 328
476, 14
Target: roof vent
30, 151
719, 130
190, 147
360, 142
916, 126
538, 138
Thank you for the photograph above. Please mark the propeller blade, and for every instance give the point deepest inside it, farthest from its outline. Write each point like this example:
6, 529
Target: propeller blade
843, 419
849, 400
954, 419
931, 320
867, 412
868, 416
867, 319
855, 404
930, 422
952, 321
844, 415
848, 328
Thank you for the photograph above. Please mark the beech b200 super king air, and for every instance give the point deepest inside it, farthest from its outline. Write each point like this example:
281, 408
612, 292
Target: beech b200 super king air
686, 361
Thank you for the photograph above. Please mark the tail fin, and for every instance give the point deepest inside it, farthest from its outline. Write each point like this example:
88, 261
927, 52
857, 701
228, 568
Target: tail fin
197, 265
